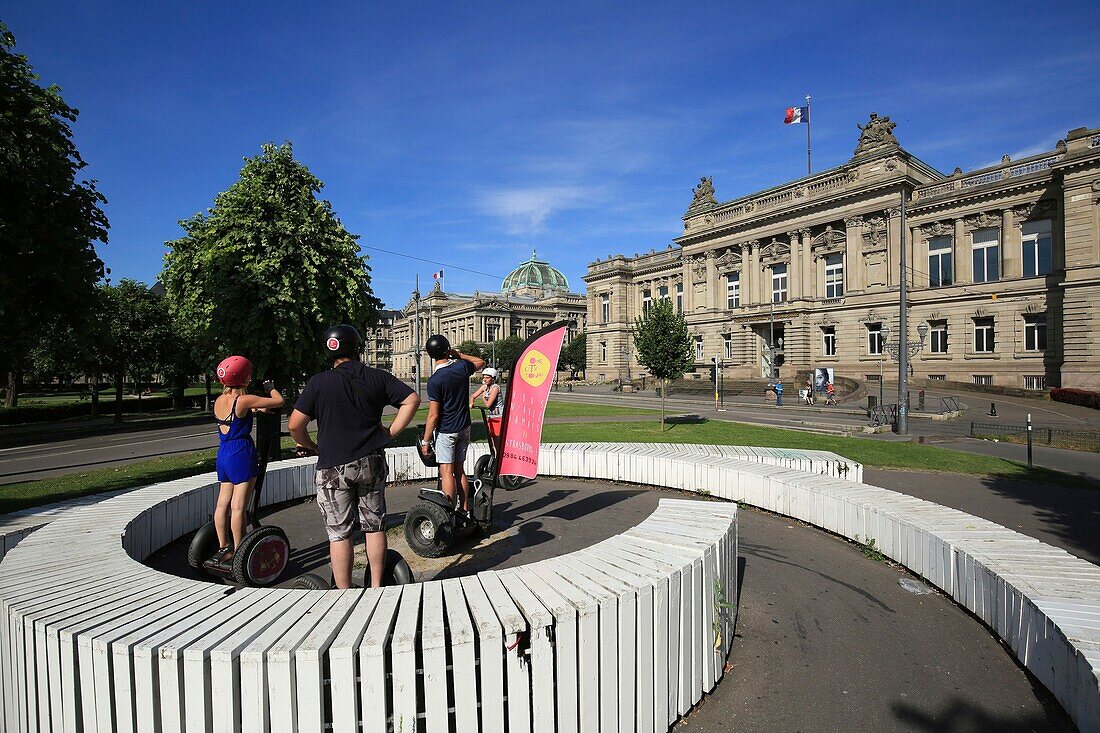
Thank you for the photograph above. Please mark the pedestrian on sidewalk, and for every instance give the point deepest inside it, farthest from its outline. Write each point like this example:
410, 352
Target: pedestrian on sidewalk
830, 394
778, 393
809, 391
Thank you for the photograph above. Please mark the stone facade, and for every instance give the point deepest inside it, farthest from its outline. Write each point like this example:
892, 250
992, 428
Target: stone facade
1003, 268
378, 349
534, 296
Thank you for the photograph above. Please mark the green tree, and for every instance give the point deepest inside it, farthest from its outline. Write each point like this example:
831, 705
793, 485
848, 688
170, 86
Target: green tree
470, 347
137, 337
49, 220
265, 270
507, 352
663, 344
574, 356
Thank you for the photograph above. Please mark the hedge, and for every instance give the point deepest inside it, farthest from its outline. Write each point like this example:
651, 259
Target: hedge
1076, 397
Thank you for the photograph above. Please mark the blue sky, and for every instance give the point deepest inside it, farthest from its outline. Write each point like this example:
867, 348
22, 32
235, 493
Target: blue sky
469, 133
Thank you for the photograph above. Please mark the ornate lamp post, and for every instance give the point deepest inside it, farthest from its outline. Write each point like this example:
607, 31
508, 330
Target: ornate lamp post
902, 351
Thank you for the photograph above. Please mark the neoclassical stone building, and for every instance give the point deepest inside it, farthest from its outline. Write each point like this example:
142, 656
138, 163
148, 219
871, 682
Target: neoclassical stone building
1003, 269
533, 295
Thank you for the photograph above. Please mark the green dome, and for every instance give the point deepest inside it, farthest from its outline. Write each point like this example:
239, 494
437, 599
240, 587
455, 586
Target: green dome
535, 274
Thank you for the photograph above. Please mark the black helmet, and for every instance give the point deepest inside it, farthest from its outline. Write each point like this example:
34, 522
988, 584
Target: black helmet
342, 340
437, 346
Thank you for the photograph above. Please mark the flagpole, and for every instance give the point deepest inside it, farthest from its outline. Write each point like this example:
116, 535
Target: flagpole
809, 117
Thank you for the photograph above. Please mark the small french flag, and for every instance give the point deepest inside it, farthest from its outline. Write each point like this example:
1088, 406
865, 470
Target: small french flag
437, 275
796, 115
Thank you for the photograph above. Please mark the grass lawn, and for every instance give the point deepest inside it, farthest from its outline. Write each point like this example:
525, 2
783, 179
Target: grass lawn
871, 453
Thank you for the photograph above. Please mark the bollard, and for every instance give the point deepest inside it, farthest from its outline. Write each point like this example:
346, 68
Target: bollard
992, 410
1029, 466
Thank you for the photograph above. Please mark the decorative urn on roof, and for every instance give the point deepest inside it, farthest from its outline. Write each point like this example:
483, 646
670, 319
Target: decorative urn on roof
535, 277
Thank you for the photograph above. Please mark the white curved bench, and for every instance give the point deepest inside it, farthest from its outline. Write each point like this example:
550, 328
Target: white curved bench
110, 644
1042, 601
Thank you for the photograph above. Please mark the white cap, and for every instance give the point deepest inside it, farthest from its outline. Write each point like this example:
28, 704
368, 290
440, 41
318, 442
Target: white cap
489, 372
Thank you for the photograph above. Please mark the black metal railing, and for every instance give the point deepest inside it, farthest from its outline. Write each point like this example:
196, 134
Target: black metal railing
950, 404
883, 414
1057, 437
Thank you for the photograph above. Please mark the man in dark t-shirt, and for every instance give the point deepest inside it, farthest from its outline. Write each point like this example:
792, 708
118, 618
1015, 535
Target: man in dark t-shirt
449, 414
347, 402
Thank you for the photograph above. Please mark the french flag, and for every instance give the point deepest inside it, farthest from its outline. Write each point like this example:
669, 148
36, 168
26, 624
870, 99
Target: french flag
796, 115
437, 275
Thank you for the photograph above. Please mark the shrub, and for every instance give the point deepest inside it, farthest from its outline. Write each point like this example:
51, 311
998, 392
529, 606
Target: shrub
1076, 397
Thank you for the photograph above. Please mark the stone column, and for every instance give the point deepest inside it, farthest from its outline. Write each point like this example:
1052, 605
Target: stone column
918, 252
809, 288
794, 269
754, 273
893, 246
1012, 256
685, 275
963, 265
743, 278
712, 280
853, 254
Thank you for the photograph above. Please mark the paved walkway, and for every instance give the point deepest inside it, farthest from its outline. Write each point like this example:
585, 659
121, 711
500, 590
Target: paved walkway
826, 639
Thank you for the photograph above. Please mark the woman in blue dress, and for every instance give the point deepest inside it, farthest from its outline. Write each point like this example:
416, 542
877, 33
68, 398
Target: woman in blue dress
237, 463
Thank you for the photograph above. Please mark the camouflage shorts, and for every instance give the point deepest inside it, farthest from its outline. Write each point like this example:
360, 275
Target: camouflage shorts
341, 489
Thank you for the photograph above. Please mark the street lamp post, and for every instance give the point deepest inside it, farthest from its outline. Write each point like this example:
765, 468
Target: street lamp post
902, 351
416, 336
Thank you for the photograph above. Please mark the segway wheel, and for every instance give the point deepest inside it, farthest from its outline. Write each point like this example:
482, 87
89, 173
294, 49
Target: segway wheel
262, 557
203, 546
398, 571
510, 483
483, 467
312, 581
428, 529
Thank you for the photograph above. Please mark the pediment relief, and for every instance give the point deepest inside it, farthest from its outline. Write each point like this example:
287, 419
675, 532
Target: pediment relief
827, 320
1034, 308
980, 313
775, 251
1035, 209
829, 237
983, 220
496, 305
731, 258
937, 229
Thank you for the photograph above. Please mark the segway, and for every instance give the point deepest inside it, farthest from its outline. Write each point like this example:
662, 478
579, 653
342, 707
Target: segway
262, 556
397, 572
433, 525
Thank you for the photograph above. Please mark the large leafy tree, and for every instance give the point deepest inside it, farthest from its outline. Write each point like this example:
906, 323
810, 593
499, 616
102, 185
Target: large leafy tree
574, 356
49, 220
507, 351
663, 345
265, 270
136, 338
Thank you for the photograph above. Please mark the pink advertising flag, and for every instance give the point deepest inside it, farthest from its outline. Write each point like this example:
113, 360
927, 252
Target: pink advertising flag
525, 402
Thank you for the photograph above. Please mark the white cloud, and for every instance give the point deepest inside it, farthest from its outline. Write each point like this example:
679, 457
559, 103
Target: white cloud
525, 210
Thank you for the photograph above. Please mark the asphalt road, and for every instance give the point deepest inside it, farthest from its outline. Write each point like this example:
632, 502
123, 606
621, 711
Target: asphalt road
827, 640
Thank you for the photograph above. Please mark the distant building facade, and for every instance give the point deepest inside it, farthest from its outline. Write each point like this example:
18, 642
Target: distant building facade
533, 295
1003, 269
378, 349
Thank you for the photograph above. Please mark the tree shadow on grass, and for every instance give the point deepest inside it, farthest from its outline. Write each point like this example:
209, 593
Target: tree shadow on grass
686, 420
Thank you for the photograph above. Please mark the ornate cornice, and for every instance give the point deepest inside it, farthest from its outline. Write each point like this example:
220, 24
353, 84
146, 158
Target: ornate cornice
937, 229
983, 220
853, 221
1037, 209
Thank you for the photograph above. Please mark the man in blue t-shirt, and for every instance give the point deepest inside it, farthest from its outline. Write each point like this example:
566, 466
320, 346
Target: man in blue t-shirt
449, 413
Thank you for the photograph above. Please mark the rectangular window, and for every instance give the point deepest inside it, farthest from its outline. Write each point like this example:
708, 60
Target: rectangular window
603, 352
937, 337
872, 378
828, 340
605, 307
1035, 335
987, 255
875, 339
779, 283
1037, 248
679, 297
1035, 381
646, 300
984, 337
834, 275
733, 290
983, 380
662, 292
728, 341
698, 348
937, 377
939, 262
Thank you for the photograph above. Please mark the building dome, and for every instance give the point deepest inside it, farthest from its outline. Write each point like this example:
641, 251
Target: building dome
535, 275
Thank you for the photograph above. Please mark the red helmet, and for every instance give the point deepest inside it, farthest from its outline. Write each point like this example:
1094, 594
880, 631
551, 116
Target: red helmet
235, 371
